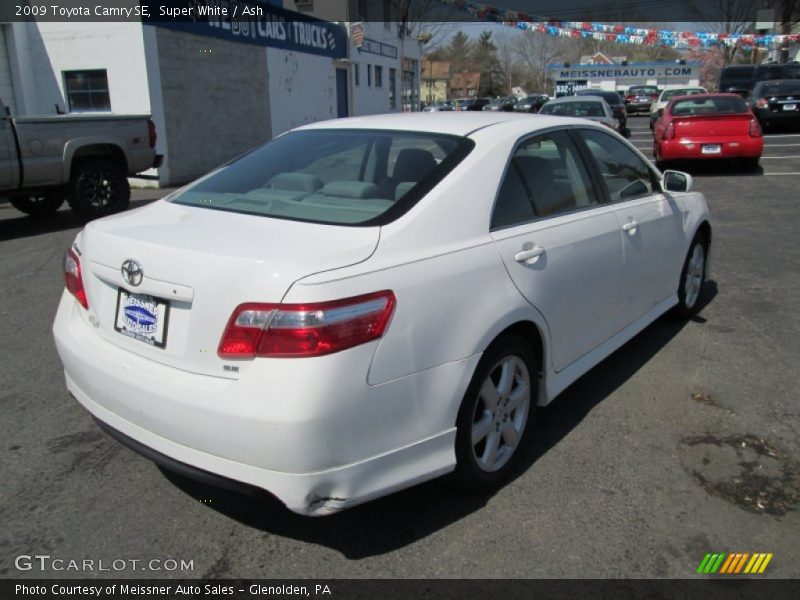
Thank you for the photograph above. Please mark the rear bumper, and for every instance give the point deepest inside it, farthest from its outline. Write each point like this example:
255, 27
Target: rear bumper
317, 440
783, 117
748, 147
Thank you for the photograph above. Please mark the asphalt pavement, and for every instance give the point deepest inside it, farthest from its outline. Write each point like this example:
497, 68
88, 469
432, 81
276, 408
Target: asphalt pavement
683, 442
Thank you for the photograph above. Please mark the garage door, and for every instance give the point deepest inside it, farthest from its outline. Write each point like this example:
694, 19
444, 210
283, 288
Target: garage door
6, 84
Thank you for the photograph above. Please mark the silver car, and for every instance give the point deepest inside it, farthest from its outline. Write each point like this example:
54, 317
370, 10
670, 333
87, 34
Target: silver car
593, 108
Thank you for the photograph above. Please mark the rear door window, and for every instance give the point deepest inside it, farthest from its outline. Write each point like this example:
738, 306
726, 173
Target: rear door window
545, 178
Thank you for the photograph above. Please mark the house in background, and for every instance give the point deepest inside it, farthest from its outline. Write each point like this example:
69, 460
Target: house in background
464, 85
434, 80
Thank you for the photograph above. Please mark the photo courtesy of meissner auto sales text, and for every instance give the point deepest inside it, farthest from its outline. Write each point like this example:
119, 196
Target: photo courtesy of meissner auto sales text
399, 299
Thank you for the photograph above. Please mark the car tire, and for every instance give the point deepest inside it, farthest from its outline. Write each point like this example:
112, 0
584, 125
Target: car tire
693, 278
41, 203
750, 165
98, 188
499, 404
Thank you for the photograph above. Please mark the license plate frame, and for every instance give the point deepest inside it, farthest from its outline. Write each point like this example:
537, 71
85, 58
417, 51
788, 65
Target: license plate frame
136, 322
792, 106
711, 149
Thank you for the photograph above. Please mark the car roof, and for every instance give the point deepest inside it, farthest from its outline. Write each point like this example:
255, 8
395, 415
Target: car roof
678, 86
455, 123
587, 98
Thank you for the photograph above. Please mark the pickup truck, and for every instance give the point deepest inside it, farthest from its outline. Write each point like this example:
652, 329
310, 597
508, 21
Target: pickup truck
83, 159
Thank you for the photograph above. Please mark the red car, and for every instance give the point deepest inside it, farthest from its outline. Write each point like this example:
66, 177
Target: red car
708, 126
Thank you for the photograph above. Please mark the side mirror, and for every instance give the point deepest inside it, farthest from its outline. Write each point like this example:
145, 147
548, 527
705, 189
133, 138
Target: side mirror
676, 181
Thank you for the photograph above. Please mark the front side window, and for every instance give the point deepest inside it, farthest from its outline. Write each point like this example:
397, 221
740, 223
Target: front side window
626, 175
545, 177
87, 91
336, 176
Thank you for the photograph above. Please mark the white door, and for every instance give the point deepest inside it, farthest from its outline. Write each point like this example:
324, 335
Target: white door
650, 221
561, 246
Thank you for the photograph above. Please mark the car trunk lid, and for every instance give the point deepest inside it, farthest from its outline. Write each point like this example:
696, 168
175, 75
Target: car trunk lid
195, 266
706, 126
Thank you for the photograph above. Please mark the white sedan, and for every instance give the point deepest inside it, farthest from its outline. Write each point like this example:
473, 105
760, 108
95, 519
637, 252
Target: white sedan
364, 304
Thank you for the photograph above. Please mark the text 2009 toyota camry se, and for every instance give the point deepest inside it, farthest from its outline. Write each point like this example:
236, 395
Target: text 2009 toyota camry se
364, 304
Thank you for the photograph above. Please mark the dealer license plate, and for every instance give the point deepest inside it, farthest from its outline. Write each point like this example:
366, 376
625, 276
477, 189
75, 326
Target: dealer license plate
711, 148
790, 107
142, 317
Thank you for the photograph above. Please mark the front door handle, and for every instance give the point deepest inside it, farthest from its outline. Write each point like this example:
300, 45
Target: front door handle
529, 256
630, 227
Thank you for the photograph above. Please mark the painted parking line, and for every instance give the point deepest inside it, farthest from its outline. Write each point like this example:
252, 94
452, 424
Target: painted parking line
781, 145
794, 156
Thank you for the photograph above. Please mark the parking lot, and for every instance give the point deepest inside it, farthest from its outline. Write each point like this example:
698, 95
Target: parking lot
686, 441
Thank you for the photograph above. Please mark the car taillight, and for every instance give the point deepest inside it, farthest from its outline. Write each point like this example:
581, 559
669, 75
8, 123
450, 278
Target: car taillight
73, 278
630, 97
755, 128
669, 132
151, 131
762, 103
296, 330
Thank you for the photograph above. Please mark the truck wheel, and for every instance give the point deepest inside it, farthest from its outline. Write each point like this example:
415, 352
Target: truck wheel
39, 204
98, 188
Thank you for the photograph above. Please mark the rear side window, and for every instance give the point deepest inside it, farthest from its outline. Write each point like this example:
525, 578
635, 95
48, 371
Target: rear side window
626, 175
339, 176
587, 108
545, 177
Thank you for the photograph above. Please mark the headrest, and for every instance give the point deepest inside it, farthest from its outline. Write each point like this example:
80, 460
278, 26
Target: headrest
351, 189
301, 182
413, 164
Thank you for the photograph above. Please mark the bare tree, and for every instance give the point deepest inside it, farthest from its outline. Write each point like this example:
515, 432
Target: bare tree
731, 17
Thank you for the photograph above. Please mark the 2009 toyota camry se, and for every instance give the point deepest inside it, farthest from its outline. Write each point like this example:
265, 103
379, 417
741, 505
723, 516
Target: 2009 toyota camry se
364, 304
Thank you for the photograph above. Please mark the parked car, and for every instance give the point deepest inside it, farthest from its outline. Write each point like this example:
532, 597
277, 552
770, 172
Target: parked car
740, 79
614, 101
472, 103
83, 159
640, 97
668, 93
531, 104
708, 126
501, 104
776, 102
440, 106
586, 107
330, 333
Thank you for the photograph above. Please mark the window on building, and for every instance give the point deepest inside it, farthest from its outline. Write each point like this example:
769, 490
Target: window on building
392, 88
387, 14
87, 91
369, 75
357, 73
378, 76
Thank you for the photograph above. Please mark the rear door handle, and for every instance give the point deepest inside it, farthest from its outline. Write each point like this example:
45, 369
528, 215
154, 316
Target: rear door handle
529, 256
630, 227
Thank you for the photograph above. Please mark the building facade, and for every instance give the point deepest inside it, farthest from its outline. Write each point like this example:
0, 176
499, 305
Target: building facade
619, 77
216, 87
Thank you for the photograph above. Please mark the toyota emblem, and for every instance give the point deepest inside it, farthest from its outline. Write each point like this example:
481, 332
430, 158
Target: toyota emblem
132, 272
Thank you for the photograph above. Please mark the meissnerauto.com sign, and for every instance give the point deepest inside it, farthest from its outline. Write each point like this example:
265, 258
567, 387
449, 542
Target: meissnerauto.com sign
623, 72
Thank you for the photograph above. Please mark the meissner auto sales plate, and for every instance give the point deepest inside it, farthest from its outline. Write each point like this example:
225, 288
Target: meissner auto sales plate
142, 317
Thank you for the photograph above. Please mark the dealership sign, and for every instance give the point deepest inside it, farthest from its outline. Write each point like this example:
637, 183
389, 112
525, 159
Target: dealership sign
378, 48
254, 22
582, 72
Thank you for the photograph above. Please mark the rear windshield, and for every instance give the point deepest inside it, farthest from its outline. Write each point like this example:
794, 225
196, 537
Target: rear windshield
641, 89
779, 89
719, 105
339, 176
588, 108
610, 97
681, 92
